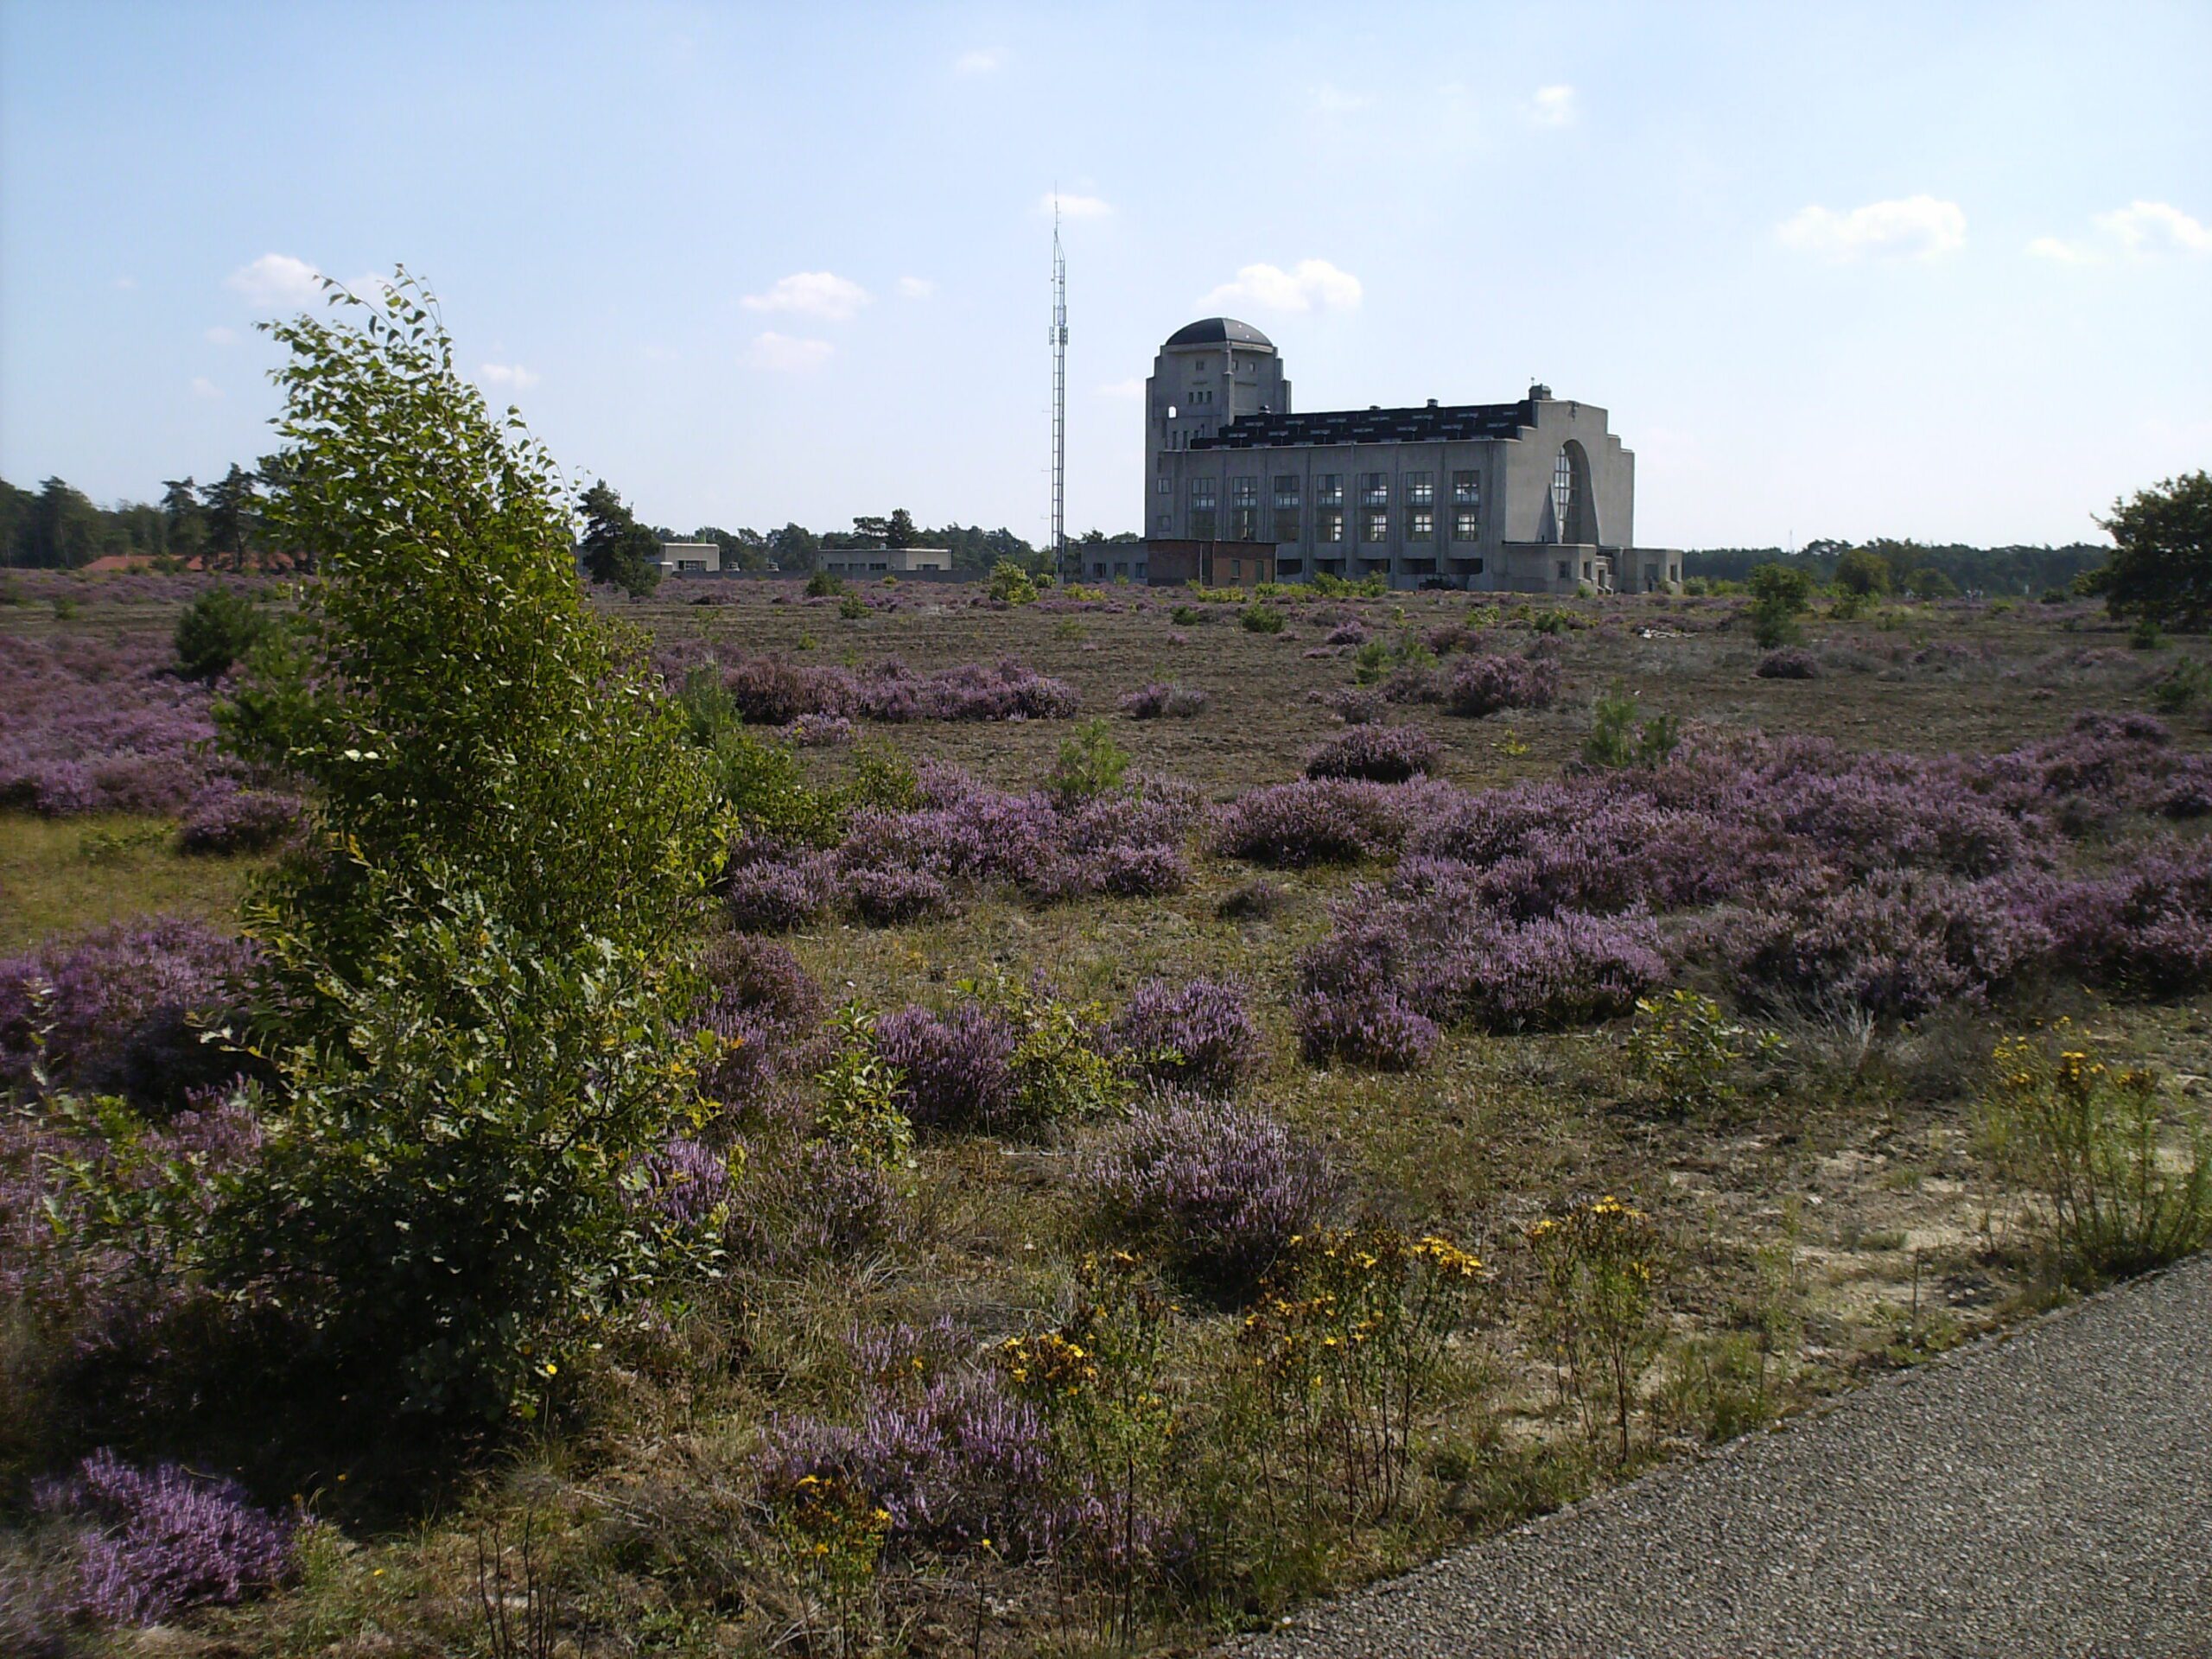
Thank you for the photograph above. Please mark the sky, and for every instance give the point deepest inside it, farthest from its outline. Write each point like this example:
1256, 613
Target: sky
1936, 271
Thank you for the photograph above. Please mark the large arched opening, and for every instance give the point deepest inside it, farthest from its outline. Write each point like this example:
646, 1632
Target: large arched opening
1574, 507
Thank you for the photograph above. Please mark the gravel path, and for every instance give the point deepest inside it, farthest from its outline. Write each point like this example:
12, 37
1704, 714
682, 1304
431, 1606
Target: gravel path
2050, 1494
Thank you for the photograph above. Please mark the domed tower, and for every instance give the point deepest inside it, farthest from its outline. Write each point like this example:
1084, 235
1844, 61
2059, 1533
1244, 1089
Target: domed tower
1207, 374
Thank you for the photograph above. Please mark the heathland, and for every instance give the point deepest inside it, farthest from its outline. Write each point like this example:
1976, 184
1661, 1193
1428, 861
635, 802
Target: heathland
1061, 1121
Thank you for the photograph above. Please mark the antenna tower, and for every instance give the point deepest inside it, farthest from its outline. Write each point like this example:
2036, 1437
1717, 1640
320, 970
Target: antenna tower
1059, 400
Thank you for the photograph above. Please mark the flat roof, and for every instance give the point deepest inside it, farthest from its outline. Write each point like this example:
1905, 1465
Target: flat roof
1427, 423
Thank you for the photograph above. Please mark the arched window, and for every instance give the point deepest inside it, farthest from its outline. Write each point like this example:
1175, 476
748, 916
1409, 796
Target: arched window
1562, 493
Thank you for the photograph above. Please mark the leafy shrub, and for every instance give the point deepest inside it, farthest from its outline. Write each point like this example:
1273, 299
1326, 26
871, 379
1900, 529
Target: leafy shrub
1010, 584
1217, 1190
1384, 754
1789, 665
2086, 1141
823, 585
1197, 1035
1090, 764
1187, 616
219, 627
1617, 740
155, 1542
1006, 1060
1157, 701
1261, 617
1686, 1047
2182, 687
1486, 684
852, 607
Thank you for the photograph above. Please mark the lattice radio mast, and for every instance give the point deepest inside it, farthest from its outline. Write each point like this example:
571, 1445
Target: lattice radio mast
1059, 399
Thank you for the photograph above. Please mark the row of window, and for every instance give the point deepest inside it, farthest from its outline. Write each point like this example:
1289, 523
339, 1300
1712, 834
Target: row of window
1373, 523
1329, 490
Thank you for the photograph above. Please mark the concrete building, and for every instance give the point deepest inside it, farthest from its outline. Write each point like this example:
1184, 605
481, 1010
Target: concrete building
1533, 497
691, 558
882, 561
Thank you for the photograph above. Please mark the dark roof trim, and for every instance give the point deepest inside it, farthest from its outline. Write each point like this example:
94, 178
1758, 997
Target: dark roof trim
1425, 425
1218, 331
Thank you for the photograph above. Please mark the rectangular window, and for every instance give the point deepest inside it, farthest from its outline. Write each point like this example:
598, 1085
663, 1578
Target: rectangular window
1166, 485
1286, 490
1466, 489
1285, 523
1375, 489
1420, 489
1562, 569
1421, 524
1244, 509
1466, 525
1376, 528
1202, 495
1161, 521
1329, 489
1329, 525
1244, 492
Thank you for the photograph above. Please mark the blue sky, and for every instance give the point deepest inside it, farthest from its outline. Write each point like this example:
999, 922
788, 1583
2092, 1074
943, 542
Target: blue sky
1940, 271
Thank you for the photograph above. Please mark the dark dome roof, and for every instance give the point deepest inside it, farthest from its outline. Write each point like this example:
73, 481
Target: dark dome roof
1216, 331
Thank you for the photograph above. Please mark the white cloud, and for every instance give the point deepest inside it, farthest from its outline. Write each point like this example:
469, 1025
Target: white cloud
976, 63
219, 335
2141, 230
1131, 387
276, 279
1075, 206
510, 376
916, 288
203, 387
1915, 227
783, 354
1310, 283
1334, 100
1552, 106
811, 293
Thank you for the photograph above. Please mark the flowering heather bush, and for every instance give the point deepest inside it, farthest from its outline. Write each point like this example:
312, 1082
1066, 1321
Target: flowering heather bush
686, 1183
117, 1009
1319, 821
1197, 1035
1548, 973
2146, 931
779, 896
886, 898
223, 819
1216, 1190
1373, 1027
952, 1462
101, 724
155, 1542
770, 692
1789, 663
1355, 705
1348, 632
958, 1067
1383, 754
821, 731
1486, 683
763, 1005
1159, 700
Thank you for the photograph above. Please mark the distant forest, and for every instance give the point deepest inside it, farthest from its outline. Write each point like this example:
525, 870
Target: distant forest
1917, 567
57, 526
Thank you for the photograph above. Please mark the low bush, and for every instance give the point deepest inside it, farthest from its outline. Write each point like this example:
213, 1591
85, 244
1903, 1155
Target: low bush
222, 820
1617, 739
1486, 683
1383, 754
2087, 1141
1217, 1192
1164, 702
1261, 617
1007, 1059
1195, 1035
1011, 585
155, 1542
219, 627
1316, 821
1788, 665
1090, 764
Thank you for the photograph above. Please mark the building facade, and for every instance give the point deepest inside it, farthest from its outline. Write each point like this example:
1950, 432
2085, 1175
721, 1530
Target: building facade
691, 558
882, 561
1533, 497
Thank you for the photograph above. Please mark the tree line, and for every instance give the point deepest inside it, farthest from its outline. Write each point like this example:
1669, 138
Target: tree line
57, 526
1928, 570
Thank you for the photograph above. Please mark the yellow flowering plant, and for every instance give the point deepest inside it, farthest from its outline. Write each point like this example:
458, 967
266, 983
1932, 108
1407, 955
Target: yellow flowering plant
1596, 1274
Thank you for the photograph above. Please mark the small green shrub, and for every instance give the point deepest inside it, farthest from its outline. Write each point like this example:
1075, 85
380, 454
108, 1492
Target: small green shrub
2145, 635
1010, 584
852, 607
1185, 616
1686, 1047
2088, 1142
1090, 764
1617, 740
1261, 618
65, 609
859, 1105
219, 627
2182, 687
822, 585
1070, 628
